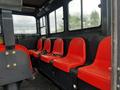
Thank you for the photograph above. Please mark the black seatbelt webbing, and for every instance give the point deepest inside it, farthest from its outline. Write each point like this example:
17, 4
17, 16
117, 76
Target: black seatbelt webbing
7, 29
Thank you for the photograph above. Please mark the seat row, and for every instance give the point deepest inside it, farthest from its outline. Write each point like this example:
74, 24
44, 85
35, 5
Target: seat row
96, 74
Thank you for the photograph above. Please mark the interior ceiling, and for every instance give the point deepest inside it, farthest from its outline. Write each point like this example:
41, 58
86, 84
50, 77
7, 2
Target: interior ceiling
29, 6
34, 3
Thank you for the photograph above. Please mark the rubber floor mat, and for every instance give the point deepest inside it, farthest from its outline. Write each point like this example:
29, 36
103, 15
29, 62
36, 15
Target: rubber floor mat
40, 83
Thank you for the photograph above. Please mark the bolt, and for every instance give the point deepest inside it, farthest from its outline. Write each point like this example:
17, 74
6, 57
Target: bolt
6, 53
13, 52
34, 78
118, 68
14, 64
74, 86
118, 86
8, 66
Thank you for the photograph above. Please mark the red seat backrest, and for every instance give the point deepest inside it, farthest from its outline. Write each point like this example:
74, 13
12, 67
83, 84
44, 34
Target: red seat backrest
58, 47
17, 47
103, 56
39, 44
47, 45
77, 49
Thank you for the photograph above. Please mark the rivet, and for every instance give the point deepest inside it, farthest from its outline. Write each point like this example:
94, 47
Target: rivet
8, 66
34, 78
6, 53
74, 86
118, 86
118, 68
13, 52
14, 64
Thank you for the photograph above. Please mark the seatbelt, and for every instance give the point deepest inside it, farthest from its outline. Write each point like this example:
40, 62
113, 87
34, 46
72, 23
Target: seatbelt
7, 29
7, 6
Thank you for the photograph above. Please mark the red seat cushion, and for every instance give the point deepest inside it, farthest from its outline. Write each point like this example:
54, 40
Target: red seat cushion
98, 74
47, 58
57, 49
76, 56
35, 53
17, 47
39, 44
47, 45
67, 63
95, 76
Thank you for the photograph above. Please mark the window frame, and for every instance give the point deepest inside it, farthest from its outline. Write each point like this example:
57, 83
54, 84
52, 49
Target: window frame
55, 14
26, 33
82, 25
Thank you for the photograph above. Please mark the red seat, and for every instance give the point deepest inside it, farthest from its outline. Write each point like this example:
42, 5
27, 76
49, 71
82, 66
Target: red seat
47, 45
76, 56
39, 49
46, 48
98, 73
56, 53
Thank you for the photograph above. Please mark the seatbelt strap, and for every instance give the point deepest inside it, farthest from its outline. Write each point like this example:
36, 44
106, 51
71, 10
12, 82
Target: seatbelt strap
7, 29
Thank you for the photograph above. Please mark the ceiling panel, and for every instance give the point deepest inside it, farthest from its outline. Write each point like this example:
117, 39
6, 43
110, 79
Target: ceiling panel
34, 3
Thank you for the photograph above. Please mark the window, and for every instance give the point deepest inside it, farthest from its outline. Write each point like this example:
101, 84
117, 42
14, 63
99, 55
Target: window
43, 25
91, 15
56, 21
52, 22
87, 16
24, 24
74, 15
59, 20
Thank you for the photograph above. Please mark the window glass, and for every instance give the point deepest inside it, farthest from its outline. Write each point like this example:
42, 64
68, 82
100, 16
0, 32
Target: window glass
75, 15
59, 20
24, 24
43, 31
41, 22
44, 21
43, 25
91, 15
52, 22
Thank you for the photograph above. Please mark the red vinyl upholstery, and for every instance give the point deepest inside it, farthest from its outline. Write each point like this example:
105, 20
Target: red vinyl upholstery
76, 55
56, 53
35, 53
39, 45
47, 45
98, 73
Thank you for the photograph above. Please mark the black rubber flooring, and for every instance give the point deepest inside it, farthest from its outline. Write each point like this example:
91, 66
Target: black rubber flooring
40, 83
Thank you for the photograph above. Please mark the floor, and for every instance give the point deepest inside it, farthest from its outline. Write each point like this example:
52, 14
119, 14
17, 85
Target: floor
40, 83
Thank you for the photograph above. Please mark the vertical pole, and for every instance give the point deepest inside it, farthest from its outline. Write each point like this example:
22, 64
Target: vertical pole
66, 16
55, 22
81, 3
115, 12
38, 26
47, 26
